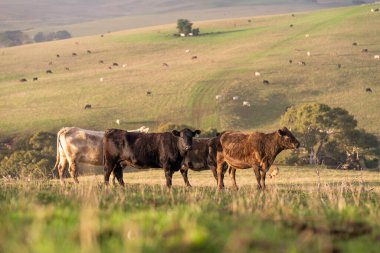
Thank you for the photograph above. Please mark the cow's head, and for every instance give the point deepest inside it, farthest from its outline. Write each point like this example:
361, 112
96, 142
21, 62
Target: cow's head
185, 141
287, 139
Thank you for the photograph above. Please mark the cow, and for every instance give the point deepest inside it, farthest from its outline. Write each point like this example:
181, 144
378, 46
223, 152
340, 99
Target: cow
339, 65
35, 78
365, 50
165, 64
194, 57
302, 63
354, 44
201, 157
251, 150
89, 51
145, 150
87, 106
76, 145
57, 55
49, 71
23, 80
101, 61
74, 54
266, 82
290, 61
368, 90
67, 68
115, 64
148, 93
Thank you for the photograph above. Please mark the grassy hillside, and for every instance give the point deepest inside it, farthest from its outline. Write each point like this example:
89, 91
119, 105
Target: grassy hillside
88, 17
229, 53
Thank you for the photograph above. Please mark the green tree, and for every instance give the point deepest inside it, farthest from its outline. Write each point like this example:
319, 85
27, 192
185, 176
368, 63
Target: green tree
329, 134
184, 26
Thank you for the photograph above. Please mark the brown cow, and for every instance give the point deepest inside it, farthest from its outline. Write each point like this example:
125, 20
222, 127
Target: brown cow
252, 150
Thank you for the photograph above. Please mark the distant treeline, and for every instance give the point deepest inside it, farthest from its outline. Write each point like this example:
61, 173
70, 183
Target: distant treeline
16, 38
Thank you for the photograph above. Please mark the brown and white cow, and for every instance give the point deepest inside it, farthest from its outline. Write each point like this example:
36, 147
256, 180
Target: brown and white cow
252, 150
76, 145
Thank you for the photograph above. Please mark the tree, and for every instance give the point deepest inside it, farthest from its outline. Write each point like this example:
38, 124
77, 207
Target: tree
61, 35
13, 38
329, 134
184, 26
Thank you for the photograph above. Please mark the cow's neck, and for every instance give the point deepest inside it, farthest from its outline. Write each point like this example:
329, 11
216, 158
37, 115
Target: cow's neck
272, 148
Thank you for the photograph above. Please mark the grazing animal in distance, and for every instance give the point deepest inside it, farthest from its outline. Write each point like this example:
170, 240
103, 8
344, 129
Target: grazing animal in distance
235, 98
101, 61
187, 51
35, 78
115, 64
354, 43
118, 122
302, 63
194, 57
246, 103
257, 74
273, 171
23, 80
251, 150
307, 35
67, 68
57, 55
308, 53
74, 54
165, 64
145, 150
148, 93
217, 97
290, 61
89, 51
339, 65
87, 106
101, 79
49, 71
124, 65
50, 63
365, 50
293, 15
265, 82
76, 145
368, 90
376, 57
291, 25
102, 35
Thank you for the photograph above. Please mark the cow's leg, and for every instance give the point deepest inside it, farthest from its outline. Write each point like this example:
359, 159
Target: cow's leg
262, 176
61, 168
213, 170
184, 172
108, 168
73, 170
233, 173
258, 176
113, 177
219, 170
169, 175
118, 173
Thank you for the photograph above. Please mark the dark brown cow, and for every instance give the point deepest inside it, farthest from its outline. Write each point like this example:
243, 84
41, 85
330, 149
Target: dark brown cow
254, 150
201, 157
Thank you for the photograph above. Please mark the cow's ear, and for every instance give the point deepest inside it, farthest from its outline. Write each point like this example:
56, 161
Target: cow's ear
281, 132
197, 132
176, 133
217, 134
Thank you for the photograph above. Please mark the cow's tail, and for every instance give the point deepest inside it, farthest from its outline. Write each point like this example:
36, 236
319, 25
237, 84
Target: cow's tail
59, 145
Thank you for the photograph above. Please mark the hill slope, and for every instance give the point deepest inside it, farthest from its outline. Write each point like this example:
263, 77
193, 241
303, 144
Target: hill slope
228, 54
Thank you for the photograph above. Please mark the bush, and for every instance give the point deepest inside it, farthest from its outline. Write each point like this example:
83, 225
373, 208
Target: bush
32, 157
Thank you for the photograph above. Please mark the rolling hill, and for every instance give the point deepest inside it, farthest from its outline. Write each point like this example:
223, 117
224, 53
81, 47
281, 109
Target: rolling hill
229, 52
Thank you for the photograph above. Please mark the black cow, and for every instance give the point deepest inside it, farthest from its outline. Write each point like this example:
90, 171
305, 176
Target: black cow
145, 150
201, 157
35, 78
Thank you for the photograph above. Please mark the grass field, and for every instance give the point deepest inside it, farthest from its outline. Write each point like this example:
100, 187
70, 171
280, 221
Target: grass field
299, 212
229, 52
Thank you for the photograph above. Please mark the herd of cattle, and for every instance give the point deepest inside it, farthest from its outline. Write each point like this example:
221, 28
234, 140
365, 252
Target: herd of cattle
173, 151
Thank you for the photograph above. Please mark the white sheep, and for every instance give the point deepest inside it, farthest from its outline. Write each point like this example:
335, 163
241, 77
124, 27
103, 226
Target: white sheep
307, 35
118, 122
187, 51
124, 65
235, 97
246, 103
217, 97
308, 53
376, 57
257, 73
101, 79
